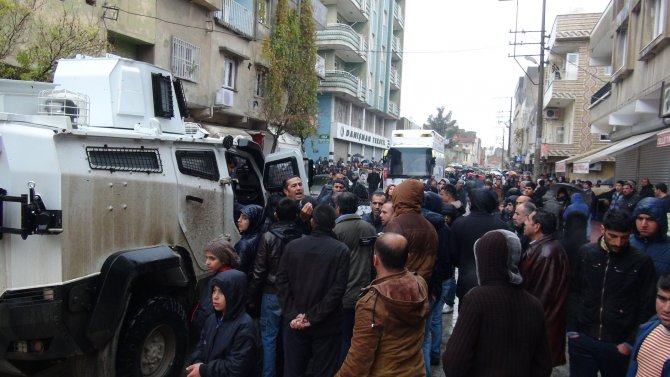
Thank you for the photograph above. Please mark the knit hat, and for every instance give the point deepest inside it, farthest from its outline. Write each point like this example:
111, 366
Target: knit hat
224, 251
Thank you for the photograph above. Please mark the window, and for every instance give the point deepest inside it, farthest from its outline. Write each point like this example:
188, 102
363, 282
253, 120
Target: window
654, 15
185, 60
229, 73
571, 66
198, 164
620, 56
145, 160
263, 12
162, 93
260, 82
560, 134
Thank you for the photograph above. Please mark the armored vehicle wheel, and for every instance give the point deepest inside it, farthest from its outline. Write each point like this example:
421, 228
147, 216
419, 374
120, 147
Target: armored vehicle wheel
153, 340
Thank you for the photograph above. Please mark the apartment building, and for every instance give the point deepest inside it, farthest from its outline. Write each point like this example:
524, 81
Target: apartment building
569, 84
359, 95
633, 108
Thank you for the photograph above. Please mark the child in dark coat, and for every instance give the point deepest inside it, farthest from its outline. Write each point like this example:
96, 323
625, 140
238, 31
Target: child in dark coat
228, 344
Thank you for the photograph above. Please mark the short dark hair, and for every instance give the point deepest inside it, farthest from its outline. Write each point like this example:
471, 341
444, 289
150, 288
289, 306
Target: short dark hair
664, 282
340, 181
662, 187
530, 184
379, 192
621, 182
450, 189
630, 183
618, 220
284, 183
286, 209
347, 202
324, 216
547, 221
391, 253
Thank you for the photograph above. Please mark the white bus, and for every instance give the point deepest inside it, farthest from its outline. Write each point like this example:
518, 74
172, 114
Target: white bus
414, 154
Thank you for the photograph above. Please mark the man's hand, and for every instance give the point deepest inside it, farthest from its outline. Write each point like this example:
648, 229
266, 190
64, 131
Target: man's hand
299, 322
623, 349
193, 370
306, 212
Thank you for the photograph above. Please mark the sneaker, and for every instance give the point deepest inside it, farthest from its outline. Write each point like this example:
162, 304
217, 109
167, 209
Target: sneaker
447, 309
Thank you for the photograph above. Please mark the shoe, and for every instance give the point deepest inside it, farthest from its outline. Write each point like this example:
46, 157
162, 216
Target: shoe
434, 359
447, 309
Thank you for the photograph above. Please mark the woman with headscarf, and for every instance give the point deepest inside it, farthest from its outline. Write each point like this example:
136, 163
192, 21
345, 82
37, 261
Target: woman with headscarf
249, 224
500, 329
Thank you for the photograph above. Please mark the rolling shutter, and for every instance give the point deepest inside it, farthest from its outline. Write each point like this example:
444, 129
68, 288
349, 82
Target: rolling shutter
626, 165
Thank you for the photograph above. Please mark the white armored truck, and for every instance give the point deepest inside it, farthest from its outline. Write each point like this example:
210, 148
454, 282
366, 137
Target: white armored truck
107, 198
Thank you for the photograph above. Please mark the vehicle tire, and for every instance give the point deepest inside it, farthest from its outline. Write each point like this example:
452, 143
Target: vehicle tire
153, 340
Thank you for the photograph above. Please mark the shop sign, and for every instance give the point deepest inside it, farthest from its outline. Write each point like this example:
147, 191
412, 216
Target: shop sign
357, 135
560, 167
663, 139
580, 168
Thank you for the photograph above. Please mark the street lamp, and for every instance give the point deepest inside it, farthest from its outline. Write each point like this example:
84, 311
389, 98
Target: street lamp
540, 96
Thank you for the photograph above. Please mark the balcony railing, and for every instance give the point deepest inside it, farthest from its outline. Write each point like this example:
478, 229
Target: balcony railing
398, 18
396, 47
394, 109
319, 14
236, 17
395, 78
345, 35
344, 81
601, 94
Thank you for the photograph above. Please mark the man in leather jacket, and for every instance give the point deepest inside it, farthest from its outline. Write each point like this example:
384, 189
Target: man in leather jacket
612, 292
545, 270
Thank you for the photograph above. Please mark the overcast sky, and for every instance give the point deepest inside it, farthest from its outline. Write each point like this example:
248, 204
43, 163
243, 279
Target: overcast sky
456, 56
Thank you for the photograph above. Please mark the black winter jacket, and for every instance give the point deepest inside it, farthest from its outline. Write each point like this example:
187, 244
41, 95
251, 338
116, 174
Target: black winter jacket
270, 249
228, 343
611, 294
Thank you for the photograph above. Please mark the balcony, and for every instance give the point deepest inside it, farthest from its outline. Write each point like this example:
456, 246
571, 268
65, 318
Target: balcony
398, 17
559, 92
395, 79
396, 48
351, 10
345, 83
345, 41
208, 4
236, 18
394, 109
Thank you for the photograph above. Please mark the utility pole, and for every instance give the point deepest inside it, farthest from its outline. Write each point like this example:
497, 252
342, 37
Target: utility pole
509, 130
540, 102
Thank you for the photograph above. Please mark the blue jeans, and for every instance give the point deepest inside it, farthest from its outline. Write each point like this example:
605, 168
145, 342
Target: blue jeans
348, 319
428, 334
448, 297
589, 355
270, 328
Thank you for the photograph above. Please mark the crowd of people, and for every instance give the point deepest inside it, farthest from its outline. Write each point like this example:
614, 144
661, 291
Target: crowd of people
317, 286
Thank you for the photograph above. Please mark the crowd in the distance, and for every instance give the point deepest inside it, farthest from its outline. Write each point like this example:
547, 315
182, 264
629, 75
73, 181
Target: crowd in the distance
321, 286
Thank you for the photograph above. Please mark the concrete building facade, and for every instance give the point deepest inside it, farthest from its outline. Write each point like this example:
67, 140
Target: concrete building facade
632, 36
359, 96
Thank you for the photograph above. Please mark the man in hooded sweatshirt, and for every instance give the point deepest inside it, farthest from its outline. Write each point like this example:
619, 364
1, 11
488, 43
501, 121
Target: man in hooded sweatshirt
419, 232
227, 347
390, 317
249, 224
466, 230
649, 235
501, 328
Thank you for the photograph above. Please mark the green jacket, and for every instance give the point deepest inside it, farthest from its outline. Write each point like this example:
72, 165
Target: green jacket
350, 229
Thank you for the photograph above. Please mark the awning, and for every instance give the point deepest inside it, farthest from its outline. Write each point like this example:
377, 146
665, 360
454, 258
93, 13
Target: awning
221, 131
583, 155
619, 147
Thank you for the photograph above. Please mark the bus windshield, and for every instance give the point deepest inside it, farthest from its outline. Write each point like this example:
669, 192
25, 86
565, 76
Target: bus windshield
410, 162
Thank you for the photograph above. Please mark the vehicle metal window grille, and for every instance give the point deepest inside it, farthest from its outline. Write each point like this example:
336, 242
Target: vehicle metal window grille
28, 296
162, 91
278, 172
124, 159
198, 164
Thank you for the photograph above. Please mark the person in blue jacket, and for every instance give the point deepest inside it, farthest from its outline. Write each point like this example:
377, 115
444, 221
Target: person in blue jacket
651, 352
649, 235
228, 344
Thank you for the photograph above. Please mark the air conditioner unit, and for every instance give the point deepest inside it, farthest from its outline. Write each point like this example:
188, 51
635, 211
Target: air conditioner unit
552, 113
225, 97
